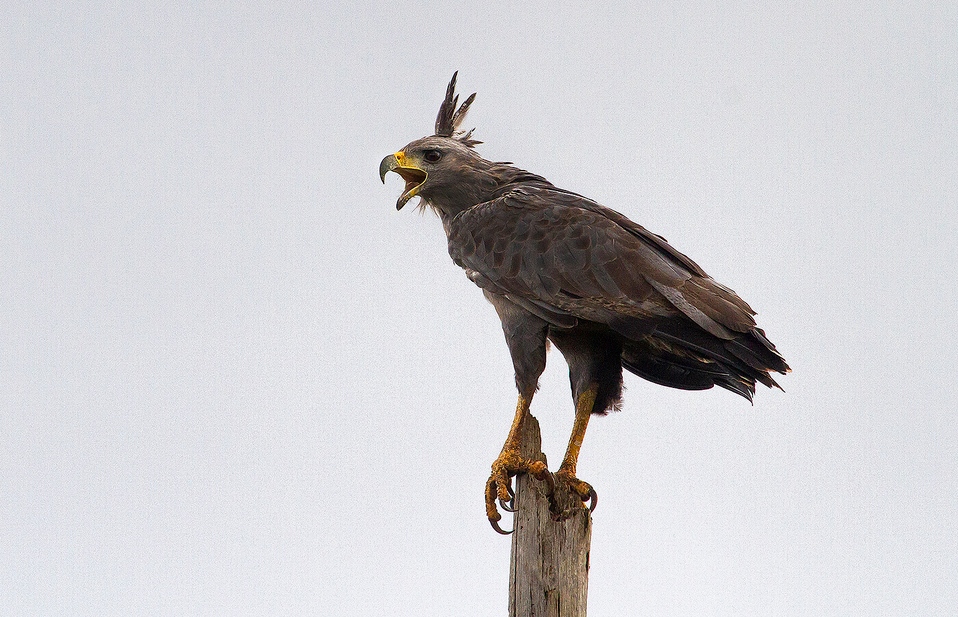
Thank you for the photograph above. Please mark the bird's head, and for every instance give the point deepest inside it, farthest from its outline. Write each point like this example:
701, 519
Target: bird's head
443, 169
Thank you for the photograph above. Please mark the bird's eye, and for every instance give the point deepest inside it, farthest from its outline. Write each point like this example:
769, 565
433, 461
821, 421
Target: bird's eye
432, 156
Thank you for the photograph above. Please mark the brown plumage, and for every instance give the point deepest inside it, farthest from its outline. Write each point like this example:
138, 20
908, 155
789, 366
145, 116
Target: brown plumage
607, 292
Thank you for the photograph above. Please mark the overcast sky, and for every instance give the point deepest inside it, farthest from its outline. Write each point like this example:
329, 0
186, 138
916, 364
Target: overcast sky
235, 381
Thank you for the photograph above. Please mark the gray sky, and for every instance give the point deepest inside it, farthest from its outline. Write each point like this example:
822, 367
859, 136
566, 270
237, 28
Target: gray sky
235, 381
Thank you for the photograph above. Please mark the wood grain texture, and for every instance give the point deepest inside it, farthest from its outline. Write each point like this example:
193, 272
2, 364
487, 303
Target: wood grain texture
549, 568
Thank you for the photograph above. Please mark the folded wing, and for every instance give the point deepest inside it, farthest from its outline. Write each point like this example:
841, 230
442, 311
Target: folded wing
566, 258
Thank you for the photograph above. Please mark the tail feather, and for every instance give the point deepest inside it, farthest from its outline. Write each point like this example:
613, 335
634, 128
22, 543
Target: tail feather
679, 354
683, 371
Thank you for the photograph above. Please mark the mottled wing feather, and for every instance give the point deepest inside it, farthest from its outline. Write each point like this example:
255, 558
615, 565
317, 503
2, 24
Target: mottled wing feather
566, 256
543, 246
697, 291
571, 259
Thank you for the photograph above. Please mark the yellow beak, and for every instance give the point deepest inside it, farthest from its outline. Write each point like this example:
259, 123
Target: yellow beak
412, 174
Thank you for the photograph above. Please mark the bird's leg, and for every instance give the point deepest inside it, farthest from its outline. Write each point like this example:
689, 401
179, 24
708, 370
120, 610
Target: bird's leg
583, 411
509, 463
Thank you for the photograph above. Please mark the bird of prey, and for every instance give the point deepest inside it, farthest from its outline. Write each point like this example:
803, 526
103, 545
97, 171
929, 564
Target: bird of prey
559, 267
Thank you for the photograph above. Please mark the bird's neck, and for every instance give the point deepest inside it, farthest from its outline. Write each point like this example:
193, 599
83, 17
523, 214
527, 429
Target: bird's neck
484, 183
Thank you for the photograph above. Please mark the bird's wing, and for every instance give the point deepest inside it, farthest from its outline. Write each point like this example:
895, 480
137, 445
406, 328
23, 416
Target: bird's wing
564, 251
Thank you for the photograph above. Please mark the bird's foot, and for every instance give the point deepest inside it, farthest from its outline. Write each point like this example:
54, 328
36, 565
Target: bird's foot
583, 490
499, 485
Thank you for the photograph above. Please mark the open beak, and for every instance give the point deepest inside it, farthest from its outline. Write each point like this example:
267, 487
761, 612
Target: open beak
413, 176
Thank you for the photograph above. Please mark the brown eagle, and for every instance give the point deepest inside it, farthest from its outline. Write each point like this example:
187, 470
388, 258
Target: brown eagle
559, 267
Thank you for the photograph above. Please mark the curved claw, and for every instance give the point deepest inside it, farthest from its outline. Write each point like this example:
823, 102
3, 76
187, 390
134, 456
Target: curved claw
509, 506
593, 499
499, 486
495, 525
583, 490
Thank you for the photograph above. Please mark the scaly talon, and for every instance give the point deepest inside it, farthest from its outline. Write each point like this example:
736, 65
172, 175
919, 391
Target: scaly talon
509, 506
584, 404
499, 486
583, 490
504, 487
510, 463
491, 512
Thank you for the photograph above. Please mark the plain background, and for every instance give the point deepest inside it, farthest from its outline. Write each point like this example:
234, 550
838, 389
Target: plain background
235, 381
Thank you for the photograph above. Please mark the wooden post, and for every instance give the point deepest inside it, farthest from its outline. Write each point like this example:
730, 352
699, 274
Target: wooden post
549, 567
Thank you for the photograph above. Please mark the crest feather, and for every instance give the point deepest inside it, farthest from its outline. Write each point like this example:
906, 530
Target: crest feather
449, 118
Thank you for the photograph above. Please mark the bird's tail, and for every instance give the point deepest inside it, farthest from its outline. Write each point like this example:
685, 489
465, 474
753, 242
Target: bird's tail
681, 355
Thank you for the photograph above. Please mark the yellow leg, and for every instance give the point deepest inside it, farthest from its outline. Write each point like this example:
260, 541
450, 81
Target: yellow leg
583, 411
515, 431
510, 463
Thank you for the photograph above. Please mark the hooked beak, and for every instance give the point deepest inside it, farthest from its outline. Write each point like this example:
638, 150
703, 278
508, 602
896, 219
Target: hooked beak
413, 175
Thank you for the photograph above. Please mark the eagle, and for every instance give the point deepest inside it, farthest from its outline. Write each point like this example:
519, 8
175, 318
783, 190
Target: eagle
559, 267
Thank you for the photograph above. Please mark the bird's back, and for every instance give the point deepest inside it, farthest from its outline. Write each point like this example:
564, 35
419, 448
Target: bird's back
558, 253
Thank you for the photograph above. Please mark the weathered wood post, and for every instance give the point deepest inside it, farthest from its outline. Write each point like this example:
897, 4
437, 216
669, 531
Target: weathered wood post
549, 567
